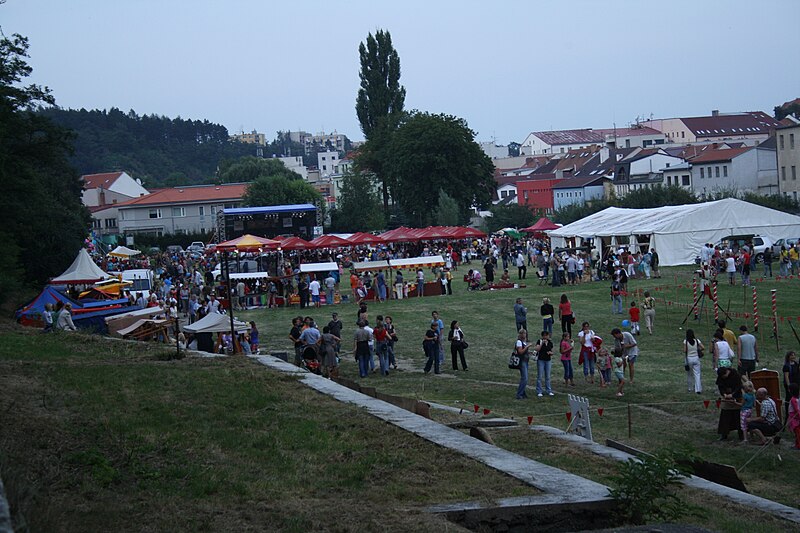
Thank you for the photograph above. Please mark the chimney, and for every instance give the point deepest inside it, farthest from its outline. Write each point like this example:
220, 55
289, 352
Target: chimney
715, 112
101, 196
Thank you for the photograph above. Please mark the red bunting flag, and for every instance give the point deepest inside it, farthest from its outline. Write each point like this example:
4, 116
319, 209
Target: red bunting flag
530, 420
718, 402
706, 403
486, 411
781, 319
477, 407
600, 411
569, 416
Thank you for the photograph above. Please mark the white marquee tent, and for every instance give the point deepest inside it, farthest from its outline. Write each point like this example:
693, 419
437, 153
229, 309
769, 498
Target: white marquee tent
677, 232
82, 271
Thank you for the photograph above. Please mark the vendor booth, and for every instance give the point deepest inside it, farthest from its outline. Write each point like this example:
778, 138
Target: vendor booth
209, 329
412, 264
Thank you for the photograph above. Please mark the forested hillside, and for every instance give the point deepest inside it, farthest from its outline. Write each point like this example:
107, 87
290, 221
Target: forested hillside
159, 150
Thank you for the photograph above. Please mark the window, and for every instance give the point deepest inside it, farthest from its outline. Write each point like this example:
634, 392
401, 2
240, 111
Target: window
562, 150
783, 173
155, 213
111, 223
683, 135
702, 173
791, 141
725, 170
794, 172
717, 171
122, 215
686, 181
782, 145
96, 224
178, 212
201, 210
213, 209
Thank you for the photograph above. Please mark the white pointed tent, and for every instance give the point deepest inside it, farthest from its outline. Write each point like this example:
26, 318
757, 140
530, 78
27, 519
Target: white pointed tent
216, 323
123, 251
678, 232
82, 270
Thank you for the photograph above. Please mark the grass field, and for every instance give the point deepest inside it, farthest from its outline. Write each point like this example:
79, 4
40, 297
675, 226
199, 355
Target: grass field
664, 414
100, 435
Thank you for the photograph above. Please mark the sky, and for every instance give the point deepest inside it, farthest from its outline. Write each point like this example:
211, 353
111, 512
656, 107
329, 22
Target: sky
507, 67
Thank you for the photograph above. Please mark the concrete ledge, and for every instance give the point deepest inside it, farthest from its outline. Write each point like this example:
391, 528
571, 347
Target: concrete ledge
742, 498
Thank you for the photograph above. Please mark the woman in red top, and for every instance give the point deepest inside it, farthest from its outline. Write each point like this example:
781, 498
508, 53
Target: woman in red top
565, 315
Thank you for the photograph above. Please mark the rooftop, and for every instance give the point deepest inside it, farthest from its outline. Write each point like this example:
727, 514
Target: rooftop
105, 180
713, 156
749, 123
190, 194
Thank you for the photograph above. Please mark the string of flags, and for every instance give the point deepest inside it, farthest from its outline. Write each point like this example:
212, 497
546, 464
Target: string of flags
477, 408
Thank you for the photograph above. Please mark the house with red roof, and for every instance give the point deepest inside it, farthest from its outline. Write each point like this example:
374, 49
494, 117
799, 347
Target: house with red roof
751, 127
743, 169
563, 141
103, 192
189, 209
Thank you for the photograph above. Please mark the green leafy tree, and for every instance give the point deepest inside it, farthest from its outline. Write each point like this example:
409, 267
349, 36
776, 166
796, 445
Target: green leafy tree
509, 216
45, 222
358, 207
379, 104
429, 153
783, 111
278, 190
247, 169
447, 212
658, 196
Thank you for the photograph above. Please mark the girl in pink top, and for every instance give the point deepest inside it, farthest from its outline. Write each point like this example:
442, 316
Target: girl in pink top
566, 358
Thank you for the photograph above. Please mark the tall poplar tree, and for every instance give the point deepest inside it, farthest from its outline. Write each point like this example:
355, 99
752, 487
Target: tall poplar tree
379, 104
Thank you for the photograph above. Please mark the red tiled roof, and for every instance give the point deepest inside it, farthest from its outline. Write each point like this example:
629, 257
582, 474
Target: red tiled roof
587, 135
749, 123
712, 156
106, 180
193, 194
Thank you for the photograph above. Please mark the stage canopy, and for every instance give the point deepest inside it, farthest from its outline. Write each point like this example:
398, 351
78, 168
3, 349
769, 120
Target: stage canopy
678, 232
82, 270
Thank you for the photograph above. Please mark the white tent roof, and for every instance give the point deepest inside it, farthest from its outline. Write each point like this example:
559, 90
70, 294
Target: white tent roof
677, 232
82, 270
417, 262
123, 251
371, 265
319, 267
216, 323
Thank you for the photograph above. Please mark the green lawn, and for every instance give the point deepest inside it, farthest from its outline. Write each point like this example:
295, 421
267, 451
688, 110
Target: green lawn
664, 414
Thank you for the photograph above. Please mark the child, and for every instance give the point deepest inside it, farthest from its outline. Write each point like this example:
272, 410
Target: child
634, 314
566, 359
620, 373
604, 366
749, 403
47, 315
793, 420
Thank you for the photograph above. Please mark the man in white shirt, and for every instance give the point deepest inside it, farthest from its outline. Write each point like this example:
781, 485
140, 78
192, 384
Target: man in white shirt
213, 305
314, 288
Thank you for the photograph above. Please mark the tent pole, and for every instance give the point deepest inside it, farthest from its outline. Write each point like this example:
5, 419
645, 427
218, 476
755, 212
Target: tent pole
230, 299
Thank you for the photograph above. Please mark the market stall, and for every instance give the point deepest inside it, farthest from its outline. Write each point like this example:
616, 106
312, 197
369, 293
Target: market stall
413, 264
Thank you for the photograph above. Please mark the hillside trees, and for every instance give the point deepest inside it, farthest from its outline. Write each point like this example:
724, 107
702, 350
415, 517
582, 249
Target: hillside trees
45, 222
358, 207
429, 153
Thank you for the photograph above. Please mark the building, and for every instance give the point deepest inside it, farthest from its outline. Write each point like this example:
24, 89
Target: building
333, 141
250, 138
788, 159
562, 141
102, 193
578, 191
537, 192
327, 162
267, 221
751, 127
295, 164
174, 210
640, 168
494, 151
679, 175
745, 169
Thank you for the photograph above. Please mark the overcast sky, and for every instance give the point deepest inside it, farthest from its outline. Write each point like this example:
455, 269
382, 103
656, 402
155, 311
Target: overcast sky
508, 68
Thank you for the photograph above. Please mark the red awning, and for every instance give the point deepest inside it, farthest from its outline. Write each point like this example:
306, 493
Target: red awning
364, 238
329, 241
296, 243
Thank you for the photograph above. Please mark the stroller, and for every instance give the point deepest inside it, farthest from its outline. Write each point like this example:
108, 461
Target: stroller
310, 359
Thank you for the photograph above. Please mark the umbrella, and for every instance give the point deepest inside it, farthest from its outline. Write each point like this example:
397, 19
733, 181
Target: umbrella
511, 232
330, 241
296, 243
364, 238
247, 243
542, 225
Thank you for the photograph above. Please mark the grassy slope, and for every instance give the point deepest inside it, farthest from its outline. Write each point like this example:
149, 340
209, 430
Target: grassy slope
104, 436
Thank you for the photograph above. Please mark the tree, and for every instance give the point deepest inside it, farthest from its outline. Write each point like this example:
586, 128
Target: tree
278, 190
447, 213
509, 216
429, 153
45, 222
789, 108
379, 104
247, 169
358, 207
657, 196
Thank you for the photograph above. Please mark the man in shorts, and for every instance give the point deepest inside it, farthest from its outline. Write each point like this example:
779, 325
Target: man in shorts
630, 348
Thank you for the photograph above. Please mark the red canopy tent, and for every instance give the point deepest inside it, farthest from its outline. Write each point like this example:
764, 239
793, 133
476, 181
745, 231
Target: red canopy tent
399, 235
364, 238
542, 225
296, 243
329, 241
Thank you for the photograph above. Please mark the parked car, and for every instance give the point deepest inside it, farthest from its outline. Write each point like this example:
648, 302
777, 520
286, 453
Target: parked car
197, 246
788, 243
759, 242
174, 248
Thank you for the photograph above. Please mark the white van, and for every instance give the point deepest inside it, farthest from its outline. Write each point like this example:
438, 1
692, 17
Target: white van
142, 279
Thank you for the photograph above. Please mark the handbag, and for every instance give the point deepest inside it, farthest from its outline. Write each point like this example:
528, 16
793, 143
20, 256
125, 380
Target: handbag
464, 345
700, 351
514, 362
